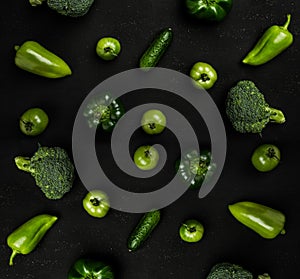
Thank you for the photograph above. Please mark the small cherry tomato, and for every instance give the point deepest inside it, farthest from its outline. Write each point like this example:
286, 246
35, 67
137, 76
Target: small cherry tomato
146, 157
108, 48
33, 121
153, 121
96, 203
191, 231
204, 75
266, 157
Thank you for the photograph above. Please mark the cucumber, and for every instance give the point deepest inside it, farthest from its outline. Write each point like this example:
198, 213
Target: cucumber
142, 231
157, 48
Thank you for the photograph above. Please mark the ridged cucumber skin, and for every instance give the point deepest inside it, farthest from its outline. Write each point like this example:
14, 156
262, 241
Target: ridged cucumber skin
144, 228
155, 51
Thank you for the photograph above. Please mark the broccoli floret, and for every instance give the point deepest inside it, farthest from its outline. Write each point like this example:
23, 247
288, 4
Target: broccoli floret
247, 109
52, 170
229, 271
72, 8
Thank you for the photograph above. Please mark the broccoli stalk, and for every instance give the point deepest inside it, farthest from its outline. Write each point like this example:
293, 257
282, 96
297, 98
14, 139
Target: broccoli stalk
248, 110
276, 115
23, 163
52, 170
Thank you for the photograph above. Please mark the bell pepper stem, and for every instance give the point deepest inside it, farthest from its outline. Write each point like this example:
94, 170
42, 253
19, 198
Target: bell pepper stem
11, 259
287, 23
276, 115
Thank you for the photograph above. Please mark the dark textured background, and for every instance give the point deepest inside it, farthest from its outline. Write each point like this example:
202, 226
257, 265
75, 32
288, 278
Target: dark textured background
164, 255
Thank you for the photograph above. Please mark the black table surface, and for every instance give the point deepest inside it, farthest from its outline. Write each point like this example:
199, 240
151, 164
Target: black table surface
164, 255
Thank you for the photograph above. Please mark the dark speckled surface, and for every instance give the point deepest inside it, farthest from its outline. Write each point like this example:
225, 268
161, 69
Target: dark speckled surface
164, 255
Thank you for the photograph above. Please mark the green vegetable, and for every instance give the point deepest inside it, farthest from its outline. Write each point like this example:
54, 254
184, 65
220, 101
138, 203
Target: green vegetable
266, 157
229, 271
274, 41
265, 221
158, 47
34, 58
26, 237
33, 121
52, 170
96, 203
153, 121
204, 75
108, 48
247, 109
193, 168
146, 157
104, 111
72, 8
90, 269
191, 231
143, 230
209, 10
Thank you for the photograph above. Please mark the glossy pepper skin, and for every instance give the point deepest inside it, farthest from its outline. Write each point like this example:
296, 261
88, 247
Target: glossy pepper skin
34, 58
90, 269
209, 10
104, 111
194, 167
274, 41
265, 221
26, 237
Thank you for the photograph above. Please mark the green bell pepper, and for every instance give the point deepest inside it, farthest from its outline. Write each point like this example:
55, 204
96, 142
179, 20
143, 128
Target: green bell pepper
265, 221
104, 111
193, 168
209, 10
274, 41
26, 237
34, 58
90, 269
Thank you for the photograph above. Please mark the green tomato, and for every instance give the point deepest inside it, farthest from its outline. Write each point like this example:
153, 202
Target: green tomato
266, 157
96, 203
204, 75
191, 231
33, 122
153, 121
108, 48
146, 157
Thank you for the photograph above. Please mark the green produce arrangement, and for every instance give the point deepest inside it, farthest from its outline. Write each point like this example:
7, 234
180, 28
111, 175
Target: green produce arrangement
245, 107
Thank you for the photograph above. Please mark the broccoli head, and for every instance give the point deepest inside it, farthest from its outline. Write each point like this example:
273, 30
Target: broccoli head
247, 109
72, 8
52, 170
